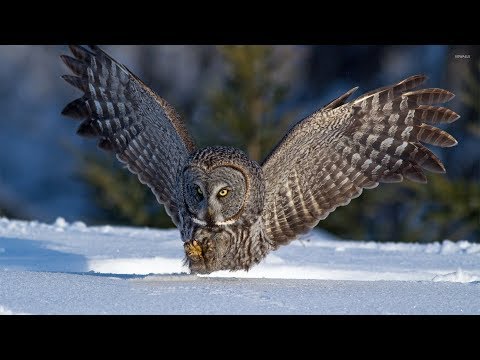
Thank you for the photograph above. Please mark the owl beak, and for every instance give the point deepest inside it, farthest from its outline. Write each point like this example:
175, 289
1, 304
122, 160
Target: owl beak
209, 217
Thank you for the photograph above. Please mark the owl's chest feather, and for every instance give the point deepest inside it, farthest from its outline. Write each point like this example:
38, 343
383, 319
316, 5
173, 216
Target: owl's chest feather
234, 247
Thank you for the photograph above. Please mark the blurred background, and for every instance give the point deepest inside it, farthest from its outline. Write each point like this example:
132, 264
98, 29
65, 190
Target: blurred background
245, 96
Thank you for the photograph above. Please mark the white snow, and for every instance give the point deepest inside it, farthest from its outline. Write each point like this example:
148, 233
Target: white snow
457, 276
5, 311
67, 268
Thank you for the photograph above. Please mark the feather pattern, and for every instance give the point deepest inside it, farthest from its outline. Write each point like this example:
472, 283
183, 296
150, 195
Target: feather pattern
343, 148
129, 119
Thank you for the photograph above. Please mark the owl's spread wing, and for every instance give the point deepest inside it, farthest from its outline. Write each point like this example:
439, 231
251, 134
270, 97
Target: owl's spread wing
328, 158
129, 119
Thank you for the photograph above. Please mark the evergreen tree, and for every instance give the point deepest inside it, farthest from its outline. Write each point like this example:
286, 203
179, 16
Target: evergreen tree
245, 112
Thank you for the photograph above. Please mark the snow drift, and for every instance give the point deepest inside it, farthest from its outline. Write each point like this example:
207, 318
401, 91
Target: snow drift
72, 268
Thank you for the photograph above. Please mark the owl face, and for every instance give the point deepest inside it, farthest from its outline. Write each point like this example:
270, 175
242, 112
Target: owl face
215, 196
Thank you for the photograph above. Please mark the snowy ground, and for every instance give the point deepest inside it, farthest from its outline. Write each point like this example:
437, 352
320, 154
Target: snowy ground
74, 269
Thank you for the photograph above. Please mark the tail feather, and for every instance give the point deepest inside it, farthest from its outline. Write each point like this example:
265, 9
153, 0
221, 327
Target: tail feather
88, 128
434, 136
76, 109
78, 67
383, 140
413, 172
435, 115
395, 90
80, 52
427, 159
429, 96
76, 81
340, 100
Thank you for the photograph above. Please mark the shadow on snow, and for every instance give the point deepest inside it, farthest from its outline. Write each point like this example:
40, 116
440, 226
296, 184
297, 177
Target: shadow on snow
19, 254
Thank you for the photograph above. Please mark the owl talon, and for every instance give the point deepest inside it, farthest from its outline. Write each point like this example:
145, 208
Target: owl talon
194, 250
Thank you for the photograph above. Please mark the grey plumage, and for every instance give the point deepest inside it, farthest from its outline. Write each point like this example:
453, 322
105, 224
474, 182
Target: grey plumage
140, 127
230, 210
337, 152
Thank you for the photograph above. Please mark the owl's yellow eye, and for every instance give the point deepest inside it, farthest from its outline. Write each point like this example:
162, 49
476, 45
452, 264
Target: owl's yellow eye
199, 191
223, 192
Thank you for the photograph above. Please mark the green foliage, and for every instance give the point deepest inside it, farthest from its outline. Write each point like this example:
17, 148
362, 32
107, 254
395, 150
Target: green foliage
244, 111
471, 95
120, 195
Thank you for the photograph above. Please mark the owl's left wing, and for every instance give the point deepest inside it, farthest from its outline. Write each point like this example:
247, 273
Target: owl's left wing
128, 118
328, 158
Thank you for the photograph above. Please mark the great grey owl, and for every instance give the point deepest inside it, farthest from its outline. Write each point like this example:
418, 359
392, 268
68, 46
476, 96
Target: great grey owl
232, 211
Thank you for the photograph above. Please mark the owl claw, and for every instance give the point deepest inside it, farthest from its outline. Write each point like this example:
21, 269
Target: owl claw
194, 250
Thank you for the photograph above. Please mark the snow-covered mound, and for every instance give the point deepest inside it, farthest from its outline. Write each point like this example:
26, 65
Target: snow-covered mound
73, 268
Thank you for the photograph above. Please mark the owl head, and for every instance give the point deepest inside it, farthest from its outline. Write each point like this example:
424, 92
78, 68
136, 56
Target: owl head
222, 187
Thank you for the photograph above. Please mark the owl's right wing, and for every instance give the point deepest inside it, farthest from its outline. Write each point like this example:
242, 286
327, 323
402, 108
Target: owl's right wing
129, 119
328, 158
